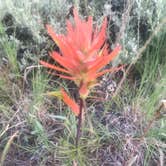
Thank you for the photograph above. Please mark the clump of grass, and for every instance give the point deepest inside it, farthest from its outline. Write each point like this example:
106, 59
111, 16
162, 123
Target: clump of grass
39, 84
10, 49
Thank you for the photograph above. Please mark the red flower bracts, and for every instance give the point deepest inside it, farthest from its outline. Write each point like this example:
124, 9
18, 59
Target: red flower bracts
83, 53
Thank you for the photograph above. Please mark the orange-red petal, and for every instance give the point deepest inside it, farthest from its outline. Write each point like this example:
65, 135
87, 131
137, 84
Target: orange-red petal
103, 60
114, 69
48, 65
52, 34
70, 102
100, 38
84, 91
66, 63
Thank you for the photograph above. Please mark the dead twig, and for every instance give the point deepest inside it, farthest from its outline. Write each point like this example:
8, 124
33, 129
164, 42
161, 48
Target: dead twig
157, 114
6, 149
125, 20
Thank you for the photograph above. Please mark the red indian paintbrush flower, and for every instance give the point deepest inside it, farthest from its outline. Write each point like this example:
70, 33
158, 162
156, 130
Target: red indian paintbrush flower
84, 52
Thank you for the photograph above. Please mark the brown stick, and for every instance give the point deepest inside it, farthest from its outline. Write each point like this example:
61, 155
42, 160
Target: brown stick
157, 114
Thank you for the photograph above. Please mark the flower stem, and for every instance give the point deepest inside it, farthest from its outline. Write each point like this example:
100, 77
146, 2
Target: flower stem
80, 120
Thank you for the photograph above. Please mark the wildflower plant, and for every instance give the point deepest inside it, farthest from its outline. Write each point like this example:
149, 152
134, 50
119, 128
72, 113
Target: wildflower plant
83, 54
